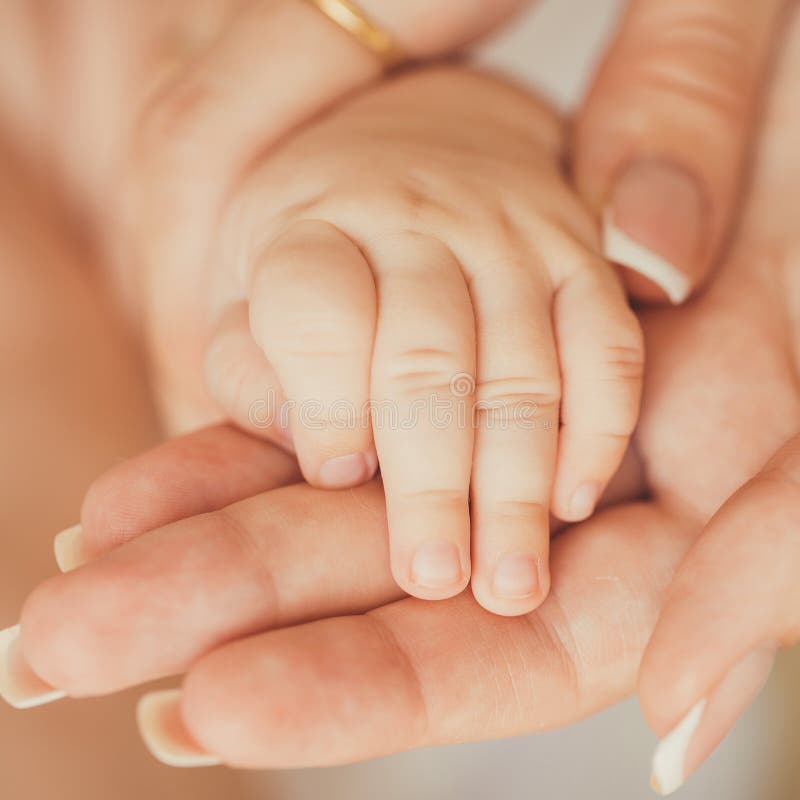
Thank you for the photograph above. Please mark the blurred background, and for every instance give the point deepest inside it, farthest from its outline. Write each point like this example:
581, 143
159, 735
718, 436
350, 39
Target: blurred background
74, 400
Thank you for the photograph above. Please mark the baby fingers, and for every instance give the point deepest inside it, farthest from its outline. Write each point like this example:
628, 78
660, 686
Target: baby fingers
422, 384
517, 406
602, 362
313, 312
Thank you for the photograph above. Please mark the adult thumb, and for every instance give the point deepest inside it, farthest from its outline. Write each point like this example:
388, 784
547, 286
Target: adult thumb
664, 135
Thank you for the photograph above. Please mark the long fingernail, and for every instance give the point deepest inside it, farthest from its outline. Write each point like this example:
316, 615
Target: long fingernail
516, 576
696, 736
655, 225
436, 565
69, 549
20, 686
345, 471
160, 721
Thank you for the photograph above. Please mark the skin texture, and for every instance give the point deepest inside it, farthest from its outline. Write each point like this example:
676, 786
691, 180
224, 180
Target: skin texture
679, 74
713, 366
421, 238
734, 597
762, 217
183, 84
70, 375
150, 90
676, 76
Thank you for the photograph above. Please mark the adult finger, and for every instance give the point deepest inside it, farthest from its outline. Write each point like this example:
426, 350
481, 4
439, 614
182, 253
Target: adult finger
193, 474
734, 601
207, 106
150, 607
665, 134
415, 674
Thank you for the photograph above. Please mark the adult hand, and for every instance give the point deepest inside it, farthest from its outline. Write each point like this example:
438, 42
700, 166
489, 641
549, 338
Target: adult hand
664, 136
734, 601
326, 688
577, 653
268, 66
678, 76
405, 673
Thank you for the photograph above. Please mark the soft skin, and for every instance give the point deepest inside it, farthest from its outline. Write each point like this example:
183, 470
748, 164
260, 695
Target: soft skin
420, 250
721, 397
169, 120
677, 75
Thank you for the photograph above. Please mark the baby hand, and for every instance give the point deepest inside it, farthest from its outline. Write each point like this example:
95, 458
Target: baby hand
418, 285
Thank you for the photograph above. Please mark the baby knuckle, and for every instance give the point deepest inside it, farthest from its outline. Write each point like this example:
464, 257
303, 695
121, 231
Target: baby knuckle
175, 127
527, 403
441, 497
624, 362
331, 339
420, 371
509, 393
504, 510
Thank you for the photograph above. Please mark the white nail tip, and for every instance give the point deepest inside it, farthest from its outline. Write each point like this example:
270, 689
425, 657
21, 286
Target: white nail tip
68, 548
669, 759
20, 687
163, 731
621, 249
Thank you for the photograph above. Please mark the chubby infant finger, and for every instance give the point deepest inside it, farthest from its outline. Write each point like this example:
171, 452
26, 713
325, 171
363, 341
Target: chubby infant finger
425, 341
517, 406
602, 362
313, 312
242, 382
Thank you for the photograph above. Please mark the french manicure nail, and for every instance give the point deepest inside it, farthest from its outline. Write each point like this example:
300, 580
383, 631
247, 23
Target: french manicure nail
655, 223
20, 687
436, 565
69, 549
707, 723
344, 471
669, 758
158, 715
516, 576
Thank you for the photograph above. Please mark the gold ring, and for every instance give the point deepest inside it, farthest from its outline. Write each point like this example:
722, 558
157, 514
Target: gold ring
350, 18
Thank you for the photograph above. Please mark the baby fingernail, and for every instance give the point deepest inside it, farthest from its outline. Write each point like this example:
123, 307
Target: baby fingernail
436, 565
655, 225
696, 736
160, 721
19, 684
516, 576
344, 471
583, 501
69, 550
